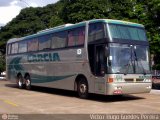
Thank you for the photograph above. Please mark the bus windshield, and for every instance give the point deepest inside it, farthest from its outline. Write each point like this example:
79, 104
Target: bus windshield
125, 32
128, 59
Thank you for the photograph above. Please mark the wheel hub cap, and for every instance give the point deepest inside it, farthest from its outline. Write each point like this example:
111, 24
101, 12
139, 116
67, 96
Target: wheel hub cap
83, 88
20, 83
27, 82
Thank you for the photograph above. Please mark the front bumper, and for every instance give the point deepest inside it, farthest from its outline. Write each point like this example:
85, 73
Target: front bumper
128, 88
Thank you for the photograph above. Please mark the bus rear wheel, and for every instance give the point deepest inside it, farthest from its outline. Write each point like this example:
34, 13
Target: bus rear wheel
28, 82
20, 82
82, 88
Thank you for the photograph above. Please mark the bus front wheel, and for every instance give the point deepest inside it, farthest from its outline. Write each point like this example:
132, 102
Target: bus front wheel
28, 82
82, 88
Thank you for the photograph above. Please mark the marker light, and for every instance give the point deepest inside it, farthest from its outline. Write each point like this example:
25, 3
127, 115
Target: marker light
147, 80
110, 80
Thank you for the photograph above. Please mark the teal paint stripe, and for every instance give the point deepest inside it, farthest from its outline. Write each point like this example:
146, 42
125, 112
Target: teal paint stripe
116, 22
45, 79
125, 23
15, 64
97, 20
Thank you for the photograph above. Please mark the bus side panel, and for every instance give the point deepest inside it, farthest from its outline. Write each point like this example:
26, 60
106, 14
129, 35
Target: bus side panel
14, 66
61, 71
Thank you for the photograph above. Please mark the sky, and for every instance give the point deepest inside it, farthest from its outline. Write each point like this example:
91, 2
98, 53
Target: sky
11, 8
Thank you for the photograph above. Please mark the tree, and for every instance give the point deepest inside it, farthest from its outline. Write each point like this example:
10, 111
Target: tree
55, 21
2, 62
80, 10
152, 24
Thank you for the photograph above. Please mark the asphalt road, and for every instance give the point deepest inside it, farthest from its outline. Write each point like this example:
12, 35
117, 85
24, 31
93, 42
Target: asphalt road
52, 101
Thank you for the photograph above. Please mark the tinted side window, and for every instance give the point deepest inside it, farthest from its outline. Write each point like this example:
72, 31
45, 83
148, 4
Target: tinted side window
44, 42
33, 45
14, 48
22, 47
96, 31
59, 40
76, 36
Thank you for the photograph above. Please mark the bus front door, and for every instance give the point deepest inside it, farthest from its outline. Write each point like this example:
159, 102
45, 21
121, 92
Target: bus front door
99, 67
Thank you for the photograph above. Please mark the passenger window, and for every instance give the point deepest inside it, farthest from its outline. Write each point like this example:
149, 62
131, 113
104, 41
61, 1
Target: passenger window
22, 47
96, 32
59, 40
33, 45
44, 42
76, 36
14, 48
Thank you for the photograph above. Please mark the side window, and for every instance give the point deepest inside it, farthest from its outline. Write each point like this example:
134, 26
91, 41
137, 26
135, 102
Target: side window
9, 49
59, 40
22, 47
14, 48
76, 36
33, 45
96, 31
44, 42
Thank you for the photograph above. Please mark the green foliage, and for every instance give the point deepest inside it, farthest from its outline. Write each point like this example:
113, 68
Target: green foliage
80, 10
30, 20
2, 62
55, 21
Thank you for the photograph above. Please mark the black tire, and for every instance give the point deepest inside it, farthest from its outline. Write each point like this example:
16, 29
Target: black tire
82, 88
28, 82
20, 82
154, 86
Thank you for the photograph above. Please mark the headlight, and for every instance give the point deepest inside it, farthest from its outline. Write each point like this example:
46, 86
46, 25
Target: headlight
147, 80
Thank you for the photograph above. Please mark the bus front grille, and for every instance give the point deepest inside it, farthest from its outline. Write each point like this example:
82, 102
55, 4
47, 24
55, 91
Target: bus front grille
129, 80
139, 80
133, 80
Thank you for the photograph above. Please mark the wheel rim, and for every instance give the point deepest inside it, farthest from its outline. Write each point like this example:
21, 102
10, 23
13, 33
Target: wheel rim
83, 88
20, 83
28, 82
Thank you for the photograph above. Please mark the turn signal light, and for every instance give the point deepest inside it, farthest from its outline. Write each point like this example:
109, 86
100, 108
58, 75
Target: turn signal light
110, 80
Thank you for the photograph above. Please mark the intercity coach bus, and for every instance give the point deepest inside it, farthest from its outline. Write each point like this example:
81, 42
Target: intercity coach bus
101, 56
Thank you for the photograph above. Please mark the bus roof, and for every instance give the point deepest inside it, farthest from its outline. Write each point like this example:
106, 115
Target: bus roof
116, 22
70, 26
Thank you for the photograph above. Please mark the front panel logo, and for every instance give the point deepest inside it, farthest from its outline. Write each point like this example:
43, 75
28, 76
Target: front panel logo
43, 57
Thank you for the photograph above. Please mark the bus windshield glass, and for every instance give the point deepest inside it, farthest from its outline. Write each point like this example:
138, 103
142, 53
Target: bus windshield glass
126, 32
128, 59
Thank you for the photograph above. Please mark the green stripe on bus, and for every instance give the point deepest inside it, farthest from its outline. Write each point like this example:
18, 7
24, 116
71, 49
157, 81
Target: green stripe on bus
44, 79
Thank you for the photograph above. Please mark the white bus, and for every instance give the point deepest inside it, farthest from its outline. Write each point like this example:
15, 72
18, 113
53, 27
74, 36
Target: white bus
102, 56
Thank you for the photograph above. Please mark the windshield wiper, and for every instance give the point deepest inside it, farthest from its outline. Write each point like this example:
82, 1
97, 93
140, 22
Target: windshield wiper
136, 59
130, 63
